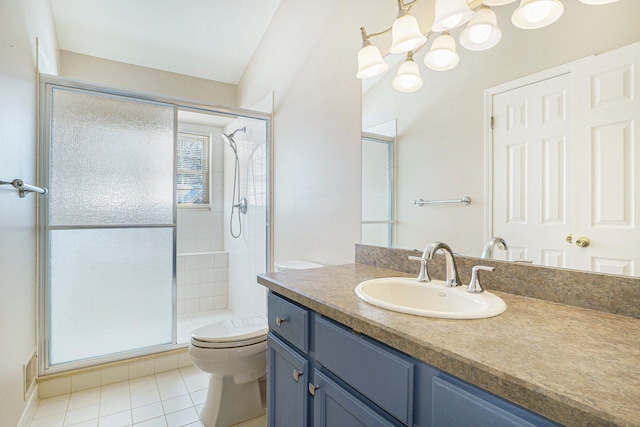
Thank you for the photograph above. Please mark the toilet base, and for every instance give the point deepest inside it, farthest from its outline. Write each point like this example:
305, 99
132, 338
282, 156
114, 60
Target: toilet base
228, 403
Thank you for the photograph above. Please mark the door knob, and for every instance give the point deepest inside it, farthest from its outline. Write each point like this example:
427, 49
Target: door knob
583, 242
569, 238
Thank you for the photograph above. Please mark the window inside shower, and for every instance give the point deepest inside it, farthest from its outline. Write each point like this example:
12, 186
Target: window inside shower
124, 272
193, 169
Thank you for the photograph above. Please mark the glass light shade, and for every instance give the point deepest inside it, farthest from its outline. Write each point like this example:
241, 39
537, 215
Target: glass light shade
451, 14
532, 14
406, 35
497, 2
408, 78
443, 55
598, 1
482, 31
370, 62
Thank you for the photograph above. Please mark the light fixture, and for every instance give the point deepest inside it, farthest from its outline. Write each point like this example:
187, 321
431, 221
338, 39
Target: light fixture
482, 31
370, 62
532, 14
408, 78
496, 2
405, 32
451, 14
598, 1
443, 55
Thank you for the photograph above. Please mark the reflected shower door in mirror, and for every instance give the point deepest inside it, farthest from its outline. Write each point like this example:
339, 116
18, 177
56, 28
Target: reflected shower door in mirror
378, 192
445, 132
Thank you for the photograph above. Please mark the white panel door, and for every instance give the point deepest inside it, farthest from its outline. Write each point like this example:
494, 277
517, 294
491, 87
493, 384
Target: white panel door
606, 158
531, 186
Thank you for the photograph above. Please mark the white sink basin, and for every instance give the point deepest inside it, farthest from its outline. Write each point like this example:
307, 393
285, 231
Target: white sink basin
432, 299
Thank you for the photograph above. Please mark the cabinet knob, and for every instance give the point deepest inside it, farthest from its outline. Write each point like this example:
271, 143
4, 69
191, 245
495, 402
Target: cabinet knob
280, 320
583, 242
296, 375
313, 388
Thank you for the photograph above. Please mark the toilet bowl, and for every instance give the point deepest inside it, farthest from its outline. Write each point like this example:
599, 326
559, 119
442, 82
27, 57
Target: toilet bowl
233, 353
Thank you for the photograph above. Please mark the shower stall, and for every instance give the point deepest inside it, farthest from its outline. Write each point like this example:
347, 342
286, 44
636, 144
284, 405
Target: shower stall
136, 244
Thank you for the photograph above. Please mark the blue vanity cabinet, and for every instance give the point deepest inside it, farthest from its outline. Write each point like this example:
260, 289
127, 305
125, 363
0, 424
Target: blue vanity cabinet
334, 406
288, 374
288, 363
324, 374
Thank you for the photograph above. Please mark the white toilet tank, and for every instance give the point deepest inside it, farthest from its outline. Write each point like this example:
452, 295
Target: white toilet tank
295, 265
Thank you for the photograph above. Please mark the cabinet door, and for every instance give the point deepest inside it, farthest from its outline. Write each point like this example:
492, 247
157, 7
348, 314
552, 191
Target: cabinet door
334, 406
287, 403
455, 403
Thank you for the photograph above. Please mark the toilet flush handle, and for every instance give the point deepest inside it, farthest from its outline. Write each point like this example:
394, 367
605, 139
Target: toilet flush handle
280, 320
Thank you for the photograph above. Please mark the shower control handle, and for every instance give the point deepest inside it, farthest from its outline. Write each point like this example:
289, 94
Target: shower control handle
280, 320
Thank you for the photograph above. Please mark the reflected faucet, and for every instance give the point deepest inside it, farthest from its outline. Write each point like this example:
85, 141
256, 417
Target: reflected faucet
488, 247
452, 279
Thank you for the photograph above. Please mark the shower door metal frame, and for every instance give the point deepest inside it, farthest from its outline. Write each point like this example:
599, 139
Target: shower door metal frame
46, 82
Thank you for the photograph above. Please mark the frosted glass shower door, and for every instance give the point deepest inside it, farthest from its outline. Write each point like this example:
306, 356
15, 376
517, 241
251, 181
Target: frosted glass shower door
110, 227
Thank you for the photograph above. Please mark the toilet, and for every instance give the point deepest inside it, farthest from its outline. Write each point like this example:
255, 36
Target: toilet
234, 354
295, 265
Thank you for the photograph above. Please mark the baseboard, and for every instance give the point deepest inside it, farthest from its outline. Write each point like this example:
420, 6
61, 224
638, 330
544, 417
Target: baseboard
30, 408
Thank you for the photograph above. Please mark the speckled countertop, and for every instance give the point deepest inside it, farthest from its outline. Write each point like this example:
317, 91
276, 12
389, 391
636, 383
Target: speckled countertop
576, 366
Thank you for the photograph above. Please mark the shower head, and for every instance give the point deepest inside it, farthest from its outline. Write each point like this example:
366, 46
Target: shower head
228, 139
242, 129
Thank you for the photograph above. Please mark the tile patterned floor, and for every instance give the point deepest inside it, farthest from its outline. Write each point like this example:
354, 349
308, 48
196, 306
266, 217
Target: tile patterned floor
168, 399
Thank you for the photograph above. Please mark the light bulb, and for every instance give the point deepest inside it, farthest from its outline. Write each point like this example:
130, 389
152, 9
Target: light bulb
480, 33
452, 21
408, 78
536, 12
443, 57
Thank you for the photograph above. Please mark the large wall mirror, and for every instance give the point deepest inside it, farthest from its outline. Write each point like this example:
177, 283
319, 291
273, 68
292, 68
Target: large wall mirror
444, 144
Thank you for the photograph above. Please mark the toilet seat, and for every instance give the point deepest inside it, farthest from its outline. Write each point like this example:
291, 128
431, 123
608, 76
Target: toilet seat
231, 333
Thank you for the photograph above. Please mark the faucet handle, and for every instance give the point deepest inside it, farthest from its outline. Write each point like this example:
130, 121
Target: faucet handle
424, 274
474, 285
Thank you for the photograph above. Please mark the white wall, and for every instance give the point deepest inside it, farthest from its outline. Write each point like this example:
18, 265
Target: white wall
308, 59
441, 126
23, 21
121, 75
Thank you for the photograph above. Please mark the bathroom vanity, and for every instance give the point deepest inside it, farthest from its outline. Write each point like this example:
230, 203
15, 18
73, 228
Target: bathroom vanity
336, 360
322, 373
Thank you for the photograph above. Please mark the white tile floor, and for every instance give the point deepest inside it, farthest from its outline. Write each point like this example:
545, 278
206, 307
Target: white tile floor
168, 399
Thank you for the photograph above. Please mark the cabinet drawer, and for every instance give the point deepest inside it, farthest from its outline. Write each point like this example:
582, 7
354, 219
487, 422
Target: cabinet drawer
289, 321
377, 373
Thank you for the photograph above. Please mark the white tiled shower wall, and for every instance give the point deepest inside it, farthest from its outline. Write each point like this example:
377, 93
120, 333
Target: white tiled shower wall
202, 264
202, 282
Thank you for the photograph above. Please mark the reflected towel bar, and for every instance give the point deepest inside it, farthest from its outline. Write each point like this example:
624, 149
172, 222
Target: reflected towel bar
23, 188
421, 202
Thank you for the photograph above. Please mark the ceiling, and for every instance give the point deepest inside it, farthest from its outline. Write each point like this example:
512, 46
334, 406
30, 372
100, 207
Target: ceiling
211, 39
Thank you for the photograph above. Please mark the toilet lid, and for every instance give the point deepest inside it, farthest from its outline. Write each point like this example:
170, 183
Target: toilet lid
231, 333
296, 265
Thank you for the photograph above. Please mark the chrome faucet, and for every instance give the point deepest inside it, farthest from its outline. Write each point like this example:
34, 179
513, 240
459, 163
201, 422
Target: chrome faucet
423, 276
452, 270
488, 247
